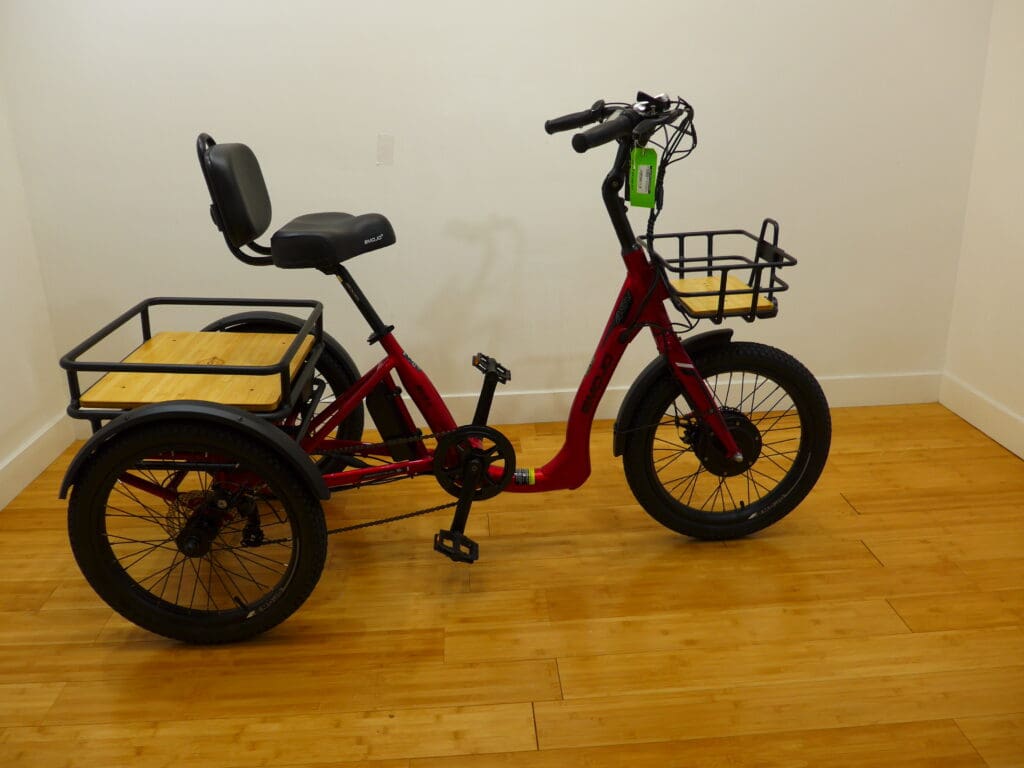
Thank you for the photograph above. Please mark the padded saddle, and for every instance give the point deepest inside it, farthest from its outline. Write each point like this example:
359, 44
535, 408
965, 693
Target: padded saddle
321, 240
241, 210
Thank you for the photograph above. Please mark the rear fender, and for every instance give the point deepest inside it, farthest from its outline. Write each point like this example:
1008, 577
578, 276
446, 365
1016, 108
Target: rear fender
242, 422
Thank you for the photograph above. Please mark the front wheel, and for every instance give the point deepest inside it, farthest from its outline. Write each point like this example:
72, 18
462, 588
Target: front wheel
778, 416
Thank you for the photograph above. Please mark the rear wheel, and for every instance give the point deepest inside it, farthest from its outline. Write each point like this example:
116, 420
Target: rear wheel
779, 418
196, 532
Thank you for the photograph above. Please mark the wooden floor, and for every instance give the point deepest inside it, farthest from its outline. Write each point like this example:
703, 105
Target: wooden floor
880, 624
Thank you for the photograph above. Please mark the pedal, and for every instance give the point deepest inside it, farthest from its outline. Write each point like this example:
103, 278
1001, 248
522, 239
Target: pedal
456, 546
487, 365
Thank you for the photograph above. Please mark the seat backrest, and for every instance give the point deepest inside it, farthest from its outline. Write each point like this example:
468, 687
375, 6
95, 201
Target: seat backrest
241, 203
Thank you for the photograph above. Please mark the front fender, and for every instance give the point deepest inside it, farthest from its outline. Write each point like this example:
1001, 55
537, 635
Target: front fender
241, 421
655, 369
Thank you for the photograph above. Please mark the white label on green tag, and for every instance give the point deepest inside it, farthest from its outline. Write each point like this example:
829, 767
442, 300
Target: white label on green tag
643, 179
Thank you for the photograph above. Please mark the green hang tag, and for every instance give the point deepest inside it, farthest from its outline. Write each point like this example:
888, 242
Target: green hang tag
643, 173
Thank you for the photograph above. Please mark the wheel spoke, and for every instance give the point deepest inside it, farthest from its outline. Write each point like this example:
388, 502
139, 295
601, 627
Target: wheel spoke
780, 454
766, 488
772, 426
218, 570
252, 554
157, 543
248, 573
692, 485
728, 490
126, 491
141, 557
159, 575
754, 393
196, 569
667, 461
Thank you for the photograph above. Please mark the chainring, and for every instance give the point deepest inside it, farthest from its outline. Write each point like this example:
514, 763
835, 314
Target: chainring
487, 445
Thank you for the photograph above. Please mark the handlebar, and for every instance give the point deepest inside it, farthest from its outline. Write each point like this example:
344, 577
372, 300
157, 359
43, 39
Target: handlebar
627, 122
639, 120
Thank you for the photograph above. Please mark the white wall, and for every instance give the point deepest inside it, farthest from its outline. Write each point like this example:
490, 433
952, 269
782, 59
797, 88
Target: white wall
851, 121
32, 430
985, 368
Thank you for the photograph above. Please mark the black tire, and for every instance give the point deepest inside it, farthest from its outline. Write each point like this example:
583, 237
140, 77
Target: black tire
335, 367
779, 416
142, 550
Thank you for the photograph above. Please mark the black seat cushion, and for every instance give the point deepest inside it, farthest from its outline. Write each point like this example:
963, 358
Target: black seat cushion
322, 240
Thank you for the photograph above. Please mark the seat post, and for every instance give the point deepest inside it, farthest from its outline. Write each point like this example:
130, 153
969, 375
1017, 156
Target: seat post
380, 330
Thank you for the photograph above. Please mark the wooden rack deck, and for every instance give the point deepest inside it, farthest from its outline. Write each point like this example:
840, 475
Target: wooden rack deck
122, 390
707, 306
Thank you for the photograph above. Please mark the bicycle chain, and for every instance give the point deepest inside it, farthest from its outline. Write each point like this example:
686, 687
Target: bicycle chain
339, 452
386, 443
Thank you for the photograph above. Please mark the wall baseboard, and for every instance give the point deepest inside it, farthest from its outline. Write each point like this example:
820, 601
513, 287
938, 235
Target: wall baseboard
841, 391
882, 389
23, 465
991, 417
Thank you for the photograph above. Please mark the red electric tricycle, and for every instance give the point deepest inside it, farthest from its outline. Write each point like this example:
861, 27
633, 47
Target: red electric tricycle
195, 507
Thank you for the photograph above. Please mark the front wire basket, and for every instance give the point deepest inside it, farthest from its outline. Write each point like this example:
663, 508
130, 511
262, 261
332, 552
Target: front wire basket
722, 282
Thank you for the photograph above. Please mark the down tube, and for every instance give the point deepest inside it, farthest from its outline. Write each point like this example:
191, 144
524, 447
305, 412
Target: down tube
570, 467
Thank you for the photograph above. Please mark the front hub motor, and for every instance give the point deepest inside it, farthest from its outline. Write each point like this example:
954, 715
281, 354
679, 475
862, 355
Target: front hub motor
714, 457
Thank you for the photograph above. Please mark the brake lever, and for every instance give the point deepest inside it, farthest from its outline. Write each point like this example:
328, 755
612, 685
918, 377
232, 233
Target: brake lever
643, 130
661, 100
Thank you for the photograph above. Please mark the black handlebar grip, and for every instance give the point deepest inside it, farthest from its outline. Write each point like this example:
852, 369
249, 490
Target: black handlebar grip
568, 122
577, 119
616, 128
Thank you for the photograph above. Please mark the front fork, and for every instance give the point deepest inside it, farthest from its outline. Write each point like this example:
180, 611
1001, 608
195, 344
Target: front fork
697, 391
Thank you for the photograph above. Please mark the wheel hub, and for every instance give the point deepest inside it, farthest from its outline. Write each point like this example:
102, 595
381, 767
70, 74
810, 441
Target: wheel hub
714, 457
197, 535
203, 524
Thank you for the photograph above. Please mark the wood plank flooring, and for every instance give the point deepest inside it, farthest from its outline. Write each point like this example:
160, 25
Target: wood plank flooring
881, 624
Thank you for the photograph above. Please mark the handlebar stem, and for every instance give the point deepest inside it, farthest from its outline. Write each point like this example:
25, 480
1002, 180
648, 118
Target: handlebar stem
616, 206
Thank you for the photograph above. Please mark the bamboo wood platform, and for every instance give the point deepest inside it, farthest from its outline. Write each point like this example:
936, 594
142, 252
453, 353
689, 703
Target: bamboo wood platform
880, 625
255, 393
707, 306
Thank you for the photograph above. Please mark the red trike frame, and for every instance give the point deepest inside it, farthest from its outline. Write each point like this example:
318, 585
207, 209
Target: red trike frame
640, 303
